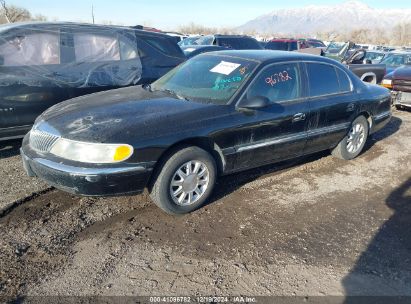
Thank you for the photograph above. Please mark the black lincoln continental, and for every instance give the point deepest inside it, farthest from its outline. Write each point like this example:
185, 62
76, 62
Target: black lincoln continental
215, 114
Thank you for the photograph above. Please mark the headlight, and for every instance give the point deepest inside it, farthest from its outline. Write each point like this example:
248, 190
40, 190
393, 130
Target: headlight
387, 83
91, 152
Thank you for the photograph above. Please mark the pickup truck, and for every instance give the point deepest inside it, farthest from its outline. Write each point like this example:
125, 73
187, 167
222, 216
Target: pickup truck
399, 82
356, 62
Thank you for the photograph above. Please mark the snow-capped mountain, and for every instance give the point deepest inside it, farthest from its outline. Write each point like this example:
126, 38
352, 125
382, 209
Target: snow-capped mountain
313, 19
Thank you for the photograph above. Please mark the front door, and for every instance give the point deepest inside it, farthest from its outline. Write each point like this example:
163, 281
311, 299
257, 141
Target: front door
27, 56
278, 131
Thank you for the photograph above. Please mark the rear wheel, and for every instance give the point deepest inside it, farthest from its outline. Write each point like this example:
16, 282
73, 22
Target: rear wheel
185, 181
353, 143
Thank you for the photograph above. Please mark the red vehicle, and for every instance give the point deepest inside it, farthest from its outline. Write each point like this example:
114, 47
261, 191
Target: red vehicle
286, 44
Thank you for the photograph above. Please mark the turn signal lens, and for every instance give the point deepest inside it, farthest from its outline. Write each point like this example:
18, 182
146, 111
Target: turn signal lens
122, 153
387, 83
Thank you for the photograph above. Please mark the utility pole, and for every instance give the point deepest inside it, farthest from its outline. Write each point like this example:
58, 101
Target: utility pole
92, 12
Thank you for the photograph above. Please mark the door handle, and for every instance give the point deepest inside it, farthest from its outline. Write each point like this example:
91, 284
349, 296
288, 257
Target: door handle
351, 107
298, 117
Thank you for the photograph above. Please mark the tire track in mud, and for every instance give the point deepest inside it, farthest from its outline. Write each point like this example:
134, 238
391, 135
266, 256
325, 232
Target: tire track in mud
17, 203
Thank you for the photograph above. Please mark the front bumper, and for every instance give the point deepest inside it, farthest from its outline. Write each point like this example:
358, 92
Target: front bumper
401, 99
88, 181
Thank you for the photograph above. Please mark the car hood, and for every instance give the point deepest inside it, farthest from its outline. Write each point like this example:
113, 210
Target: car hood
122, 114
403, 73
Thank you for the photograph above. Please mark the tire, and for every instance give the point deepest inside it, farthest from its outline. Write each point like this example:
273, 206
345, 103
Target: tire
398, 107
353, 143
195, 183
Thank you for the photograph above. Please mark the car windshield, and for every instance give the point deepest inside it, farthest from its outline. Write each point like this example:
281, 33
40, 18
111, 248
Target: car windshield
397, 59
207, 78
335, 47
239, 43
374, 56
189, 41
315, 44
204, 40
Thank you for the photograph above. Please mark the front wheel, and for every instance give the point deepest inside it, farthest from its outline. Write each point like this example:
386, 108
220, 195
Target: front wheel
185, 181
353, 143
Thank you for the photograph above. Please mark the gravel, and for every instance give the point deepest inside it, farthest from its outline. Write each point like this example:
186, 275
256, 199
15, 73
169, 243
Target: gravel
313, 226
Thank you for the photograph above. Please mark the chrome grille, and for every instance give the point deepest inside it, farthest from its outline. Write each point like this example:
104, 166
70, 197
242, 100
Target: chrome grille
42, 141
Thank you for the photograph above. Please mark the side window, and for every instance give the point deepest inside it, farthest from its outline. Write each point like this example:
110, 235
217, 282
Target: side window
278, 83
322, 79
92, 47
38, 48
345, 83
128, 48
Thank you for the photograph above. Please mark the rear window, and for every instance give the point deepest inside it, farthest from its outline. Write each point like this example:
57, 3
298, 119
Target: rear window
239, 43
37, 48
164, 45
282, 45
322, 79
345, 83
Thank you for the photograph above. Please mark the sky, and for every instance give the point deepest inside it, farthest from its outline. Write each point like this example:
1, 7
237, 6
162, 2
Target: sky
170, 14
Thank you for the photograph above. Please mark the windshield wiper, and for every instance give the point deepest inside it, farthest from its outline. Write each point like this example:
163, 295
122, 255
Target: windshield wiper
147, 87
171, 92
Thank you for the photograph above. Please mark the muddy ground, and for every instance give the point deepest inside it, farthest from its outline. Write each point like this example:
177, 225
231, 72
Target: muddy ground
313, 226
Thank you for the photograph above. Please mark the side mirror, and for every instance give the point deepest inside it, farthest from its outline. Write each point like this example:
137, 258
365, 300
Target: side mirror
367, 61
255, 102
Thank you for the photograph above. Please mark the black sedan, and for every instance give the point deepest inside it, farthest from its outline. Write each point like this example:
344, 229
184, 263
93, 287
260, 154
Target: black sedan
215, 114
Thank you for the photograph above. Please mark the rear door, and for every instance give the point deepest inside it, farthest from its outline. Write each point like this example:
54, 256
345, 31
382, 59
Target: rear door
333, 105
100, 59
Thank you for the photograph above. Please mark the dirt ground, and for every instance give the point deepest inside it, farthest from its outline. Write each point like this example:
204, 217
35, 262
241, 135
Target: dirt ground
313, 226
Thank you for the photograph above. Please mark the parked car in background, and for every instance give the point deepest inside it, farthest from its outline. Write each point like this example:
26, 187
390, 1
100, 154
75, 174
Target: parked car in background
220, 42
286, 44
177, 36
191, 40
235, 42
315, 43
399, 82
217, 113
394, 60
355, 59
194, 50
375, 56
42, 64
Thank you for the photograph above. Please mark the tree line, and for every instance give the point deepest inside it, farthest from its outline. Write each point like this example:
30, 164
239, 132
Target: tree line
12, 13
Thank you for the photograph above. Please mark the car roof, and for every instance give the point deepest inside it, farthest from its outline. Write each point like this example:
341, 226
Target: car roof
230, 36
400, 52
283, 40
273, 56
39, 24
